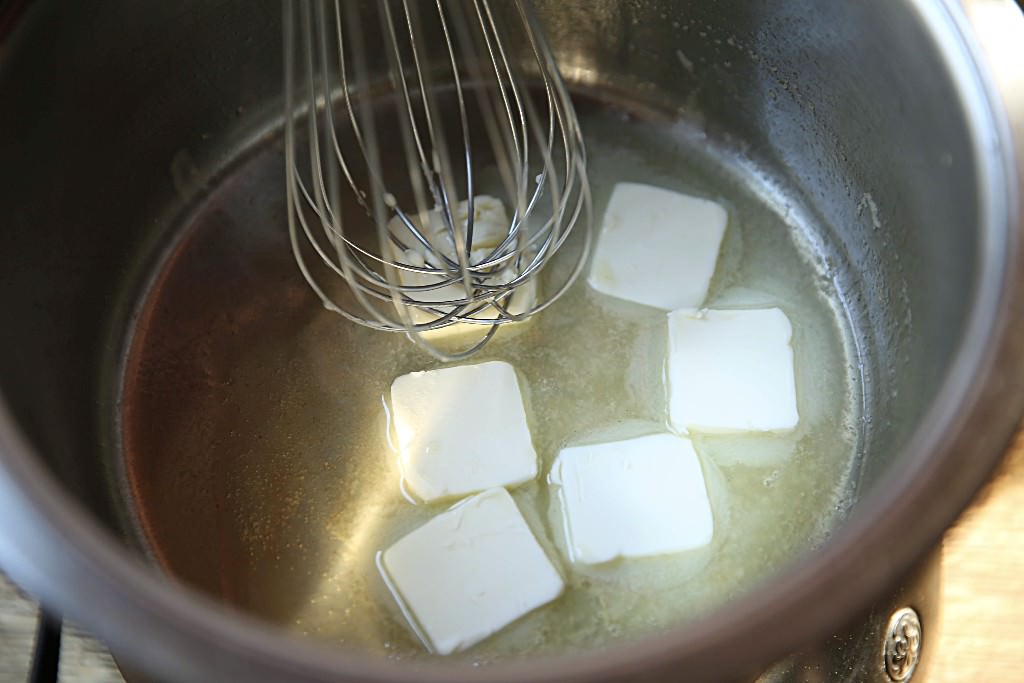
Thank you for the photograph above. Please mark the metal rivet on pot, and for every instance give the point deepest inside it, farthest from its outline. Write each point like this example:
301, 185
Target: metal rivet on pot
902, 648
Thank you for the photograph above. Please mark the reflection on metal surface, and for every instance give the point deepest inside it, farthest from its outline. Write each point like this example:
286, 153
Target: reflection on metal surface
833, 56
902, 648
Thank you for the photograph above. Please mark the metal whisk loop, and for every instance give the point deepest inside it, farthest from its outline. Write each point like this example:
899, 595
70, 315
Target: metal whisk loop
393, 219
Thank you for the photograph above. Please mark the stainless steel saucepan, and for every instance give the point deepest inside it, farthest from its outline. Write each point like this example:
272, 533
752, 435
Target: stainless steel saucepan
130, 131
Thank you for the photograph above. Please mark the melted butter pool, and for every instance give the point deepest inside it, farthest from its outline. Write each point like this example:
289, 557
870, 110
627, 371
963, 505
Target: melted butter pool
591, 364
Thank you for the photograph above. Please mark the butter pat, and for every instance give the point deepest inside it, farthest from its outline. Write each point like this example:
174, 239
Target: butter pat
461, 430
731, 371
632, 498
490, 228
469, 572
657, 247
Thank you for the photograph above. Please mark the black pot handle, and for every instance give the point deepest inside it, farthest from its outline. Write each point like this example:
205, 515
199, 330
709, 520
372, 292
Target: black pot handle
46, 657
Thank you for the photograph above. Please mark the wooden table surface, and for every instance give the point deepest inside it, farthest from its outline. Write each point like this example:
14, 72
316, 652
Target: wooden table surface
981, 634
980, 637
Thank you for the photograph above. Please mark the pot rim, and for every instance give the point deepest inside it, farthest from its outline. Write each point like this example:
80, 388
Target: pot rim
53, 548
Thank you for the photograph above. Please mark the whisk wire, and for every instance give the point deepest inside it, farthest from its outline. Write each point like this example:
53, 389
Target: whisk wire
412, 141
437, 265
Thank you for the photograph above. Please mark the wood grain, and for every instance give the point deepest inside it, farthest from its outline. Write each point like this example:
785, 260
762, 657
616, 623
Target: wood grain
980, 636
82, 658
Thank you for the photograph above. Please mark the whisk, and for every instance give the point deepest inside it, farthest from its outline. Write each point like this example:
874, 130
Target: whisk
411, 111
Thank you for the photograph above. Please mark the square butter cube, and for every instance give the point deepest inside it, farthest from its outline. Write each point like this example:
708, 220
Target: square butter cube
490, 227
523, 299
461, 430
657, 247
731, 371
469, 572
632, 498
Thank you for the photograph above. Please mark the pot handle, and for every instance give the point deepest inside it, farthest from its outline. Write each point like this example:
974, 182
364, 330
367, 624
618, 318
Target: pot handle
46, 656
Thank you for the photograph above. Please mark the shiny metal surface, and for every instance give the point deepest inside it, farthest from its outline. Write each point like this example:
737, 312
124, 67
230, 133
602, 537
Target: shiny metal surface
401, 276
886, 106
856, 654
901, 650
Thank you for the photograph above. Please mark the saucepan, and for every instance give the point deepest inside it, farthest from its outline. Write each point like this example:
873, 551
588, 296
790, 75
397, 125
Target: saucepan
141, 198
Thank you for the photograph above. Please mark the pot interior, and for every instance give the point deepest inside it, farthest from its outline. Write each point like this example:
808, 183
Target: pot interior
255, 421
183, 384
